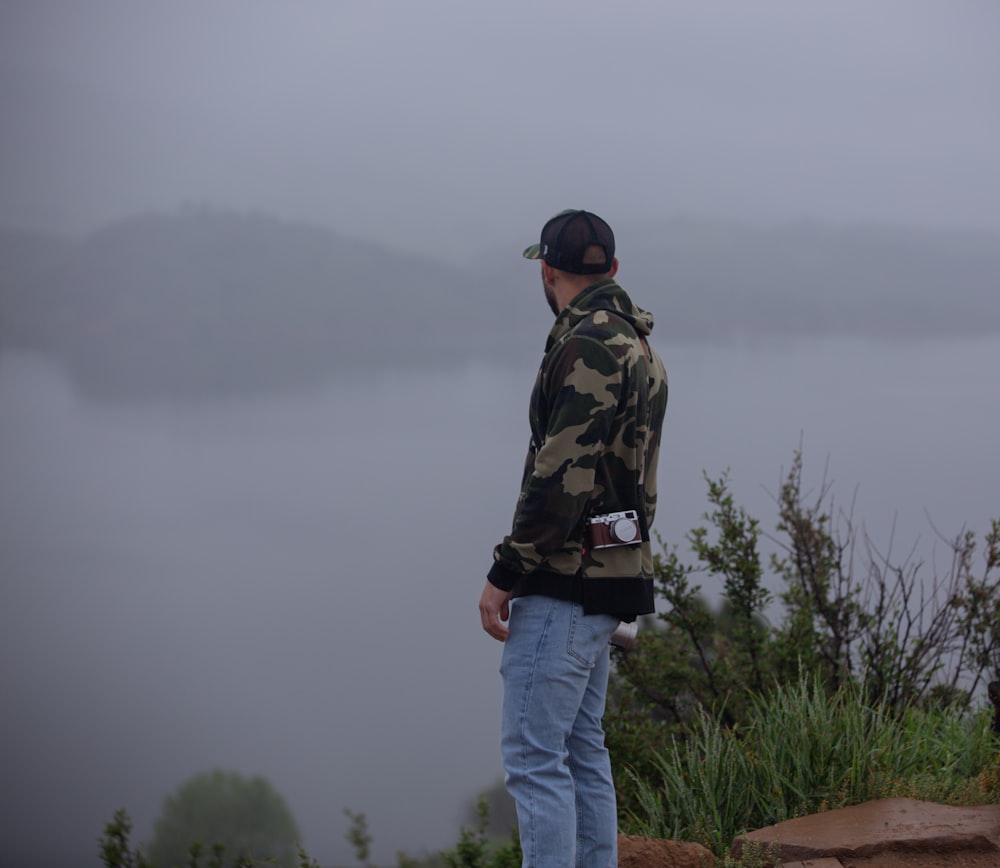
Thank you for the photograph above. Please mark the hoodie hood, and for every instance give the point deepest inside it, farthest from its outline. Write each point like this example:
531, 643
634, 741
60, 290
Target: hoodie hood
604, 295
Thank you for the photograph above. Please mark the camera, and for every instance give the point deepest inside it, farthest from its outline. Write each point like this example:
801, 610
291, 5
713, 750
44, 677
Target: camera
624, 635
614, 529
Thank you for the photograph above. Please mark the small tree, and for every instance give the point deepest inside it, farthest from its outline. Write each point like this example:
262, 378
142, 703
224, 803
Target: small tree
865, 617
116, 849
242, 817
359, 837
501, 811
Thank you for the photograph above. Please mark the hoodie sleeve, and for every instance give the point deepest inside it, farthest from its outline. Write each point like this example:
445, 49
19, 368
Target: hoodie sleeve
577, 402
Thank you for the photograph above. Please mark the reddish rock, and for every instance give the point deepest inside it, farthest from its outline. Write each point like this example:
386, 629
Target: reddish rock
888, 825
636, 852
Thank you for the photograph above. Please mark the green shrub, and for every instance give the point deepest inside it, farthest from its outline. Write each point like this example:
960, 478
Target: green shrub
848, 617
227, 813
475, 850
722, 721
802, 752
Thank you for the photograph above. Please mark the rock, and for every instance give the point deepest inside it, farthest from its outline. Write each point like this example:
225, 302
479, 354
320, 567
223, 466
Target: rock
637, 852
897, 825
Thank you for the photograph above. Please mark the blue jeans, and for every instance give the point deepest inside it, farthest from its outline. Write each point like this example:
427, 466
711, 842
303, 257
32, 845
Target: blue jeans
555, 682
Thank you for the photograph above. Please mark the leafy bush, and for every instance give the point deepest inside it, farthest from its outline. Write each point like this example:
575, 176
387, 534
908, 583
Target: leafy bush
848, 615
720, 721
475, 850
232, 815
117, 851
802, 751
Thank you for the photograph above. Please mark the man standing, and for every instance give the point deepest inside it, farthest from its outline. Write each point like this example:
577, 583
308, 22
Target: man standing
578, 558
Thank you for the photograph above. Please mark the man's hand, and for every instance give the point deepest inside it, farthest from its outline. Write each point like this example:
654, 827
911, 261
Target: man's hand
494, 609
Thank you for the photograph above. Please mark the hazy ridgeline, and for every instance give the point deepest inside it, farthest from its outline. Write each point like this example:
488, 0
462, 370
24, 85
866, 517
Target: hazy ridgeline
204, 303
251, 475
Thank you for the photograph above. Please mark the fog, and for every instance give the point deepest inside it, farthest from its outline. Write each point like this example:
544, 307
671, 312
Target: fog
288, 586
443, 124
285, 588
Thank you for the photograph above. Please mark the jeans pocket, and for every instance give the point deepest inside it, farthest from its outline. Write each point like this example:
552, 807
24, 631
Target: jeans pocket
589, 635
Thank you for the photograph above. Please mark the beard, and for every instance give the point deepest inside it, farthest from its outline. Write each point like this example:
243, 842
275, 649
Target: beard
550, 297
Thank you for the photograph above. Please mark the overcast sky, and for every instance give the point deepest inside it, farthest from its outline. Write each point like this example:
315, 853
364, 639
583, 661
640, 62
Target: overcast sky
453, 124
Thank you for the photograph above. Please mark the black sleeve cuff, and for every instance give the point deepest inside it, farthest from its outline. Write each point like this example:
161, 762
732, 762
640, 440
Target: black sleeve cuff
501, 577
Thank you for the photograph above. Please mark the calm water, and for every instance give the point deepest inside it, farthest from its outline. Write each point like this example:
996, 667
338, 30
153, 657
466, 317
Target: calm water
288, 586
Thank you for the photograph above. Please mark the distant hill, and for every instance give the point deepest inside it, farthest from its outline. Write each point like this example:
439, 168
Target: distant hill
26, 260
204, 303
721, 279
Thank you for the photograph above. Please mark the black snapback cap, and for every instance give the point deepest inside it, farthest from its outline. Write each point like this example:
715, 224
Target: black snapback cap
573, 241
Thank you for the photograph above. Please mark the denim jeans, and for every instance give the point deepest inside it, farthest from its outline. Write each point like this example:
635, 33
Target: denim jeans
555, 679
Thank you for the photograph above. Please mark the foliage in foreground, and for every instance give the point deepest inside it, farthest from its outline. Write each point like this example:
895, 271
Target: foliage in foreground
232, 813
848, 615
721, 722
802, 751
474, 848
117, 851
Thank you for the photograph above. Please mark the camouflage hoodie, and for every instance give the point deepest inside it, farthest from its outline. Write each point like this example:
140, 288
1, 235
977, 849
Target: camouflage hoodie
596, 414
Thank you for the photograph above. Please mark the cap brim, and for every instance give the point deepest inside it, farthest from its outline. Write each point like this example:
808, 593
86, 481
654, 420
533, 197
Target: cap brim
533, 252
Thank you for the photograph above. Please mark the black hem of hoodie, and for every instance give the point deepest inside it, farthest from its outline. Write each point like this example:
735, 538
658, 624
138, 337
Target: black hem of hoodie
626, 598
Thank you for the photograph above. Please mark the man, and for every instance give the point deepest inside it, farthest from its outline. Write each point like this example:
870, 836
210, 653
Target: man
577, 560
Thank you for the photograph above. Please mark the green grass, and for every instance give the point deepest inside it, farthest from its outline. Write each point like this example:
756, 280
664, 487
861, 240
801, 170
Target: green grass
804, 753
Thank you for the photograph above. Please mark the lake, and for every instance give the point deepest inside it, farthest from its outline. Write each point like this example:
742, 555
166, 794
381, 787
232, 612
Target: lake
287, 586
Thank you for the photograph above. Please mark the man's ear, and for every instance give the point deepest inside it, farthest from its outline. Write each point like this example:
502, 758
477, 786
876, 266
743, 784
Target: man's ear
614, 267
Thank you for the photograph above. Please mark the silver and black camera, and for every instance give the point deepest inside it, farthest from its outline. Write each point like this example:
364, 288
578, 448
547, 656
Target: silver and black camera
624, 635
614, 529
